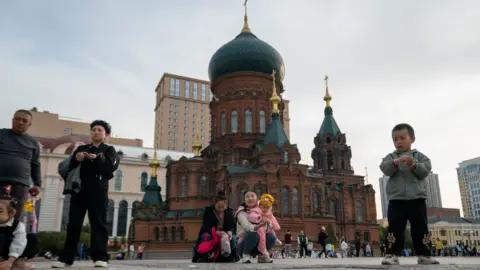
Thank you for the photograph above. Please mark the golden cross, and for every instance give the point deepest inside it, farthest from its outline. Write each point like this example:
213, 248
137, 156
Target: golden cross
326, 79
245, 5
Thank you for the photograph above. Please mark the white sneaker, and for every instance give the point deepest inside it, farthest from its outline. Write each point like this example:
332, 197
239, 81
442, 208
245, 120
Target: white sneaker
246, 258
427, 260
60, 265
101, 264
278, 242
390, 260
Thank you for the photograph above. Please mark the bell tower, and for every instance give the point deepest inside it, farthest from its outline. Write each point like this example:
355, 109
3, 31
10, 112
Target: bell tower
331, 152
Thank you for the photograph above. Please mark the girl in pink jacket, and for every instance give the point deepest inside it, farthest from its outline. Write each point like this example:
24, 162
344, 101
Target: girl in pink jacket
264, 212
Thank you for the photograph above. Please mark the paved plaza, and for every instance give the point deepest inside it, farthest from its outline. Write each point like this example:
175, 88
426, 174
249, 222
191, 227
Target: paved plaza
300, 264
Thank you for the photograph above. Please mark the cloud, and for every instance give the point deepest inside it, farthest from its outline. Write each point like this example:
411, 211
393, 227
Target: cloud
388, 62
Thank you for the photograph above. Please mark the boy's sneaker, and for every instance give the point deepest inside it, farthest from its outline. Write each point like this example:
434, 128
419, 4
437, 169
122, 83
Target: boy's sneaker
427, 260
101, 264
246, 258
60, 265
22, 264
391, 260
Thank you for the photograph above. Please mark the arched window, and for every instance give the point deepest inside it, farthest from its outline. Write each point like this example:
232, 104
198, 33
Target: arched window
110, 211
165, 234
183, 186
315, 199
286, 201
143, 181
223, 123
122, 221
234, 121
332, 207
241, 195
174, 234
359, 211
135, 206
248, 121
118, 180
203, 185
285, 156
258, 191
181, 233
263, 123
157, 233
295, 202
329, 160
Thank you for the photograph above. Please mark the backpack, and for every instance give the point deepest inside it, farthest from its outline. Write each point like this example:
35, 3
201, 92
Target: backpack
209, 249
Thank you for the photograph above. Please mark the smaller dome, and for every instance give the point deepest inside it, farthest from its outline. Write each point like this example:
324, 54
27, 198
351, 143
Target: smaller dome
246, 53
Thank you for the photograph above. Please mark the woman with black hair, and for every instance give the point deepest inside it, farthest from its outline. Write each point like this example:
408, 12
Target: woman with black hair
220, 217
97, 163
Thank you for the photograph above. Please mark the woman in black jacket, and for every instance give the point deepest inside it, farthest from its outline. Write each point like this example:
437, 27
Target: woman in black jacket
220, 217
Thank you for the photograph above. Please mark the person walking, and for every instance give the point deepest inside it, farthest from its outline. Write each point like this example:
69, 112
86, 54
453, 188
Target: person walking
20, 160
322, 240
287, 244
97, 163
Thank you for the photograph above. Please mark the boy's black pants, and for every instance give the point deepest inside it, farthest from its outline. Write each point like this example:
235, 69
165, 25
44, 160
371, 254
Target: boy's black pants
95, 202
415, 211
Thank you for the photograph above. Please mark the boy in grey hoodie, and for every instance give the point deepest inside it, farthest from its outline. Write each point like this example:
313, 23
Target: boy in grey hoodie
406, 189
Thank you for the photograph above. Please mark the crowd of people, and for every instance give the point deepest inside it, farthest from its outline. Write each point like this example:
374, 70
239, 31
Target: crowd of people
225, 236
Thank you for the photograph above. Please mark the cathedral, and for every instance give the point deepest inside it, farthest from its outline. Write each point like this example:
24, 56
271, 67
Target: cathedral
249, 150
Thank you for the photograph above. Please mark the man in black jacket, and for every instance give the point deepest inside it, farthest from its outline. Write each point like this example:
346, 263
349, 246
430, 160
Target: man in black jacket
98, 162
19, 160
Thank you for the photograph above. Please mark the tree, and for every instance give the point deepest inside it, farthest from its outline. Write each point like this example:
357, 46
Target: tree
331, 234
34, 109
408, 239
53, 241
383, 233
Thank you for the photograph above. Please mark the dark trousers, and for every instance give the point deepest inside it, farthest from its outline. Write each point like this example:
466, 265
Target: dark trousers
19, 192
415, 211
323, 251
95, 201
30, 251
302, 248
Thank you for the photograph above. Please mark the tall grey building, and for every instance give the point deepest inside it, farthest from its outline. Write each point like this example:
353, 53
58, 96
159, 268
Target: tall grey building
468, 173
434, 198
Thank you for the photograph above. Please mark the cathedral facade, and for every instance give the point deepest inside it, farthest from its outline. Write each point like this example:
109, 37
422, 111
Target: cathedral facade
249, 150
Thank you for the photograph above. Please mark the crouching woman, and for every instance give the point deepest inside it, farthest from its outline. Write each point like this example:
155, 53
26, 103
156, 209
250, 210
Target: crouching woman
219, 217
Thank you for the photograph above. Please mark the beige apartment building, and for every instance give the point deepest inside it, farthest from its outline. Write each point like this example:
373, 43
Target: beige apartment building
51, 125
182, 111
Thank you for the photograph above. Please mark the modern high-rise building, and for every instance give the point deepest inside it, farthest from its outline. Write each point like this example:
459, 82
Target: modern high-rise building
382, 184
468, 173
51, 125
434, 198
182, 112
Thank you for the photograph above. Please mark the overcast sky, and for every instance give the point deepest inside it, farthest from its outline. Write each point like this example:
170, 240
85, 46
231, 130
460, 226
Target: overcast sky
388, 62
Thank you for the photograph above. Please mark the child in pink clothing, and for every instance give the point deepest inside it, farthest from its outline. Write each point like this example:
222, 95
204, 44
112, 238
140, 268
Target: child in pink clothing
257, 214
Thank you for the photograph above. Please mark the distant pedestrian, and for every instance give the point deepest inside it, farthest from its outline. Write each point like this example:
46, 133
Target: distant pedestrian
20, 160
406, 188
287, 244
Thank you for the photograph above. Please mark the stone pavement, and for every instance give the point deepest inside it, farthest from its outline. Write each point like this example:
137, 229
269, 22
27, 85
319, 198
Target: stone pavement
299, 264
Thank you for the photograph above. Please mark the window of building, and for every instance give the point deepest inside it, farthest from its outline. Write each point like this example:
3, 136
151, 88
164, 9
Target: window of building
285, 201
172, 86
359, 211
204, 92
185, 142
195, 91
203, 186
223, 123
118, 180
183, 186
263, 125
295, 202
67, 131
248, 121
187, 89
177, 88
143, 181
234, 121
185, 114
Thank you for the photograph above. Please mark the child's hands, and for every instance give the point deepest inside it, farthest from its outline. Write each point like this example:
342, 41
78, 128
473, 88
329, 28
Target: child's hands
406, 160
